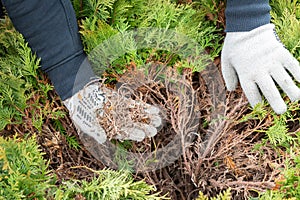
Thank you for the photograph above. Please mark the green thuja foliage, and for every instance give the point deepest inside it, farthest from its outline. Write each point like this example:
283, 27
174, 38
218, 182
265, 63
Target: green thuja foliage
23, 172
19, 80
13, 92
278, 133
273, 195
286, 17
108, 185
226, 195
213, 10
105, 19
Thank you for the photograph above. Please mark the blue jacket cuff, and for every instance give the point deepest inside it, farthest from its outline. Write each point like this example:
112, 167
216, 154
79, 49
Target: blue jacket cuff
246, 15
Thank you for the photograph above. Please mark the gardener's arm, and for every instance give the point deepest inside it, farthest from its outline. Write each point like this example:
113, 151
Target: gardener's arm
254, 56
50, 28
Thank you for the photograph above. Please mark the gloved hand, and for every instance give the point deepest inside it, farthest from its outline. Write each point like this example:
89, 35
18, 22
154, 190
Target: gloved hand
87, 104
256, 59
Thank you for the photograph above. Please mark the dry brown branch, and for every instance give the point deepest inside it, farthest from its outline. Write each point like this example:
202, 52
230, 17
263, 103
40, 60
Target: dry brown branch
220, 153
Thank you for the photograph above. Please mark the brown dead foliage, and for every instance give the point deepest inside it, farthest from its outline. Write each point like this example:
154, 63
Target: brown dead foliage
222, 154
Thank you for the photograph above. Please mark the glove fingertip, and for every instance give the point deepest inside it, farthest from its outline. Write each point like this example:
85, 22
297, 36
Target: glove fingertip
231, 81
296, 65
252, 93
132, 133
254, 101
292, 65
295, 96
151, 131
232, 85
229, 76
138, 135
280, 109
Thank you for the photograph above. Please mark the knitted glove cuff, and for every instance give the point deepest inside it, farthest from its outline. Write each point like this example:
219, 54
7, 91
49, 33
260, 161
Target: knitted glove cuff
246, 15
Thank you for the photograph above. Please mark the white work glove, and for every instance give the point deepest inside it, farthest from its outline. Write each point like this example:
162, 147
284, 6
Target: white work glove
256, 59
86, 106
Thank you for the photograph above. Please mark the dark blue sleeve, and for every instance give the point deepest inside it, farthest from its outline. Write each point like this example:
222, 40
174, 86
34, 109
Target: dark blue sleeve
245, 15
50, 28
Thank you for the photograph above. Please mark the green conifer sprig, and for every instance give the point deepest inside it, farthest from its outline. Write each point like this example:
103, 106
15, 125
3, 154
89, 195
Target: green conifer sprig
123, 15
109, 185
20, 81
286, 17
23, 172
18, 75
